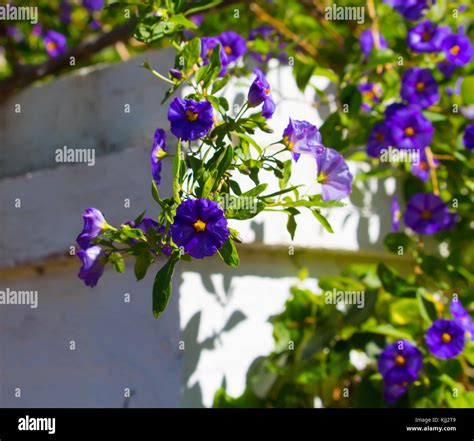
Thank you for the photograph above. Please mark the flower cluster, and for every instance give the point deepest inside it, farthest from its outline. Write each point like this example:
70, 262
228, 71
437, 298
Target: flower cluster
192, 223
400, 362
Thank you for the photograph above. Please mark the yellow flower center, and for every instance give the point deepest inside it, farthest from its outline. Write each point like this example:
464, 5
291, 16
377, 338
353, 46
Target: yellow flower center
228, 50
400, 360
288, 143
369, 95
267, 91
420, 87
191, 116
51, 46
446, 338
409, 131
426, 214
322, 178
424, 166
454, 50
199, 226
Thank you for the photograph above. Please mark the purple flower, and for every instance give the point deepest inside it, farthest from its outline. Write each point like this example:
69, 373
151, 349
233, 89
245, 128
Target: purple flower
263, 31
399, 364
426, 213
55, 43
366, 41
207, 46
65, 10
462, 317
94, 224
95, 25
458, 49
93, 263
260, 93
234, 45
409, 128
396, 383
302, 137
401, 356
36, 30
158, 151
468, 138
190, 119
371, 94
426, 37
145, 225
333, 175
200, 227
445, 338
396, 214
176, 74
411, 9
422, 168
93, 5
446, 68
393, 108
419, 87
379, 139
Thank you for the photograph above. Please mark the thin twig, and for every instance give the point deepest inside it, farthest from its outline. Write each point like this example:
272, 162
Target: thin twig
432, 165
282, 28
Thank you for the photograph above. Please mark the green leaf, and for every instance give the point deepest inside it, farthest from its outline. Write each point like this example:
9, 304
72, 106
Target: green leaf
467, 90
117, 261
154, 192
434, 117
142, 263
229, 254
324, 222
255, 191
427, 308
286, 174
393, 242
219, 84
393, 283
351, 97
181, 20
163, 284
191, 53
291, 225
249, 139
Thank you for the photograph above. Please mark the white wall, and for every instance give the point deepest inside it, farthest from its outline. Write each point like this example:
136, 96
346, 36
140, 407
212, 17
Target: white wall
222, 312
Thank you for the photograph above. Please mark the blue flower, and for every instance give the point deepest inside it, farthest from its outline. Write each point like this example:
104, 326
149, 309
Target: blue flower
333, 175
445, 338
427, 37
55, 43
379, 139
468, 138
94, 224
190, 120
234, 45
93, 263
158, 151
366, 41
462, 317
458, 49
419, 87
302, 137
411, 9
396, 214
260, 93
200, 227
